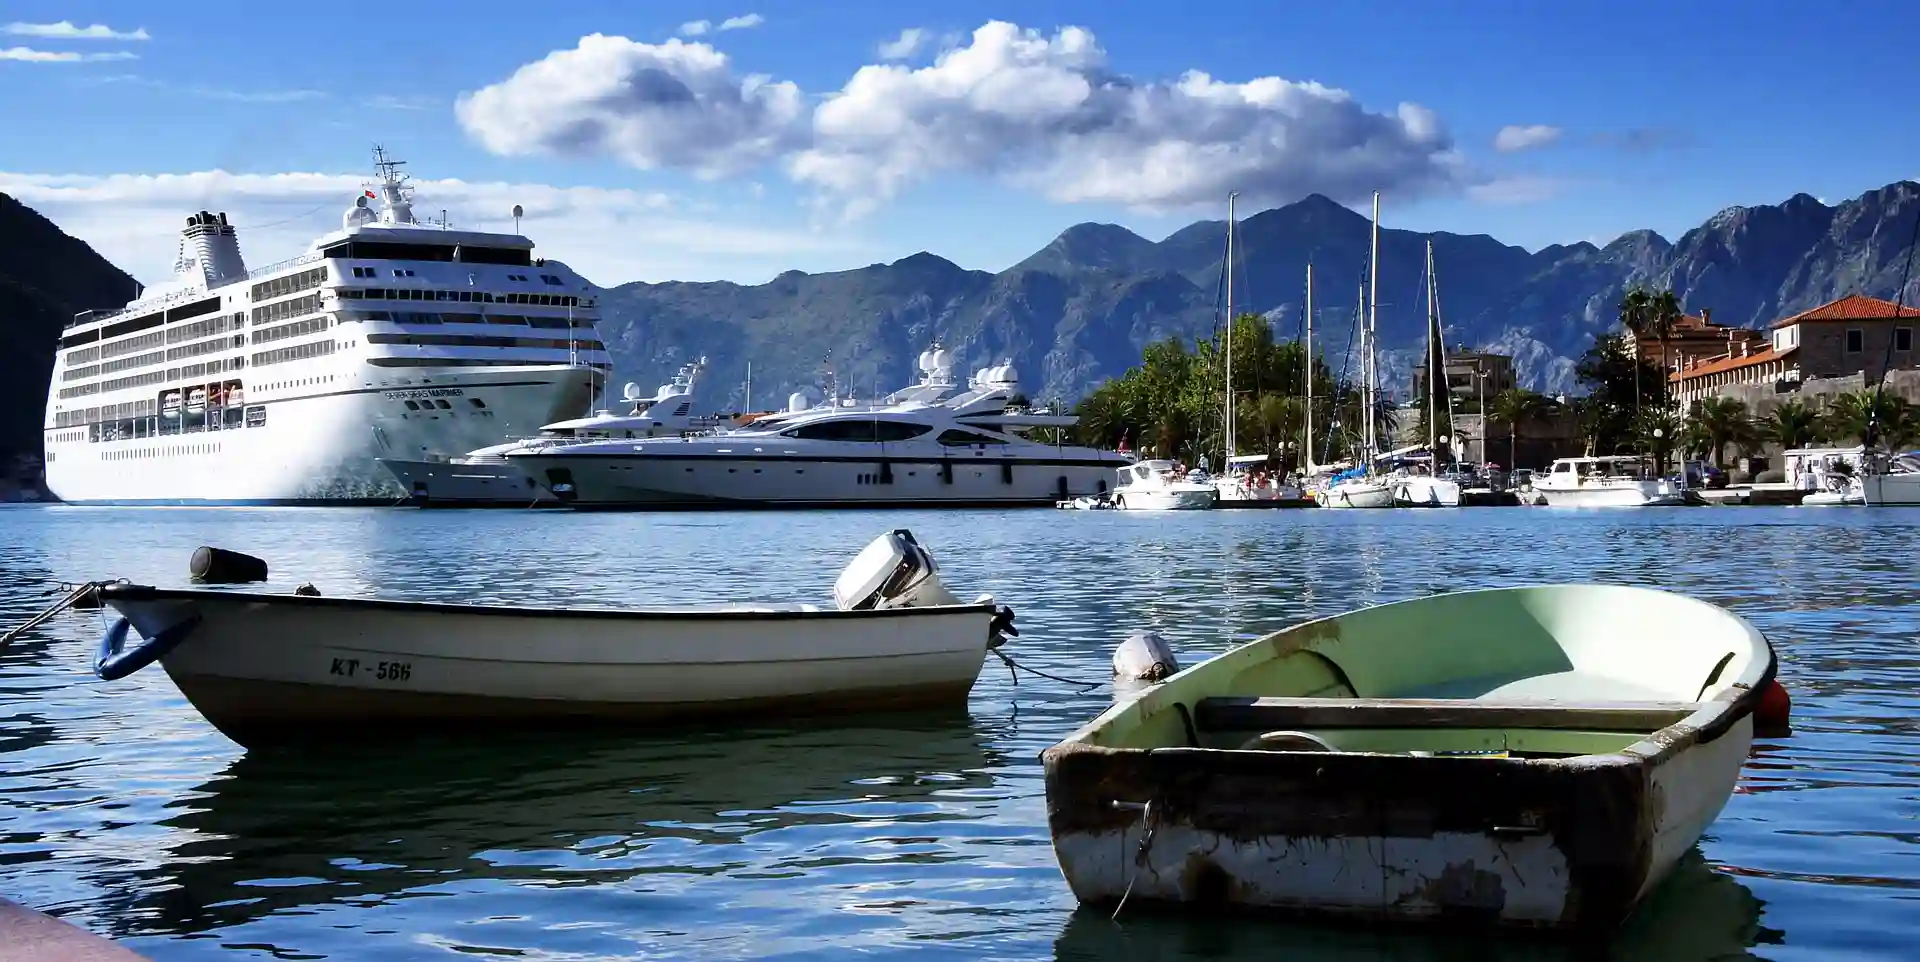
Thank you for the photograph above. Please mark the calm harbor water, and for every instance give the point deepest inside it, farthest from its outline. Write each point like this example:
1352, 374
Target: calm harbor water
121, 810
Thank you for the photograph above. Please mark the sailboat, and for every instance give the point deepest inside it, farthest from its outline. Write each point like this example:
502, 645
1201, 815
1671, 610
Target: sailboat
1365, 489
1236, 486
1427, 490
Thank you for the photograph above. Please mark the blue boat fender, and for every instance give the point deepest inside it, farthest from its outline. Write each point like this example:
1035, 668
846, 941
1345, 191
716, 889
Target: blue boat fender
114, 661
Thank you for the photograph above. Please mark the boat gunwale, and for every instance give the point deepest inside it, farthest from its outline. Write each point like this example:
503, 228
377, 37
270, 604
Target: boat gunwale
149, 593
1714, 717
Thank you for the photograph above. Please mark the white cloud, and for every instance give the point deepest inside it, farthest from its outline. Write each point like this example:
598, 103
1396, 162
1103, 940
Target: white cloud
391, 102
204, 92
903, 46
65, 30
1043, 112
1525, 189
30, 55
745, 22
1047, 113
1525, 137
609, 235
674, 104
695, 28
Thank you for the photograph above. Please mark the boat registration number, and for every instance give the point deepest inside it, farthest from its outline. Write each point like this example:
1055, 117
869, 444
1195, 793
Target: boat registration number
378, 670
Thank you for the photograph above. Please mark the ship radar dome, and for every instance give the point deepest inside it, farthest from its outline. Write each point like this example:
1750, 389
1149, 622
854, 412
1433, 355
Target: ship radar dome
631, 392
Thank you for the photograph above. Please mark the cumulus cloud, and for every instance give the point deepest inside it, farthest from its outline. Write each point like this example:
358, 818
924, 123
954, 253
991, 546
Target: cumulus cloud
65, 30
903, 46
745, 22
30, 55
1047, 113
673, 104
609, 235
1044, 112
1524, 137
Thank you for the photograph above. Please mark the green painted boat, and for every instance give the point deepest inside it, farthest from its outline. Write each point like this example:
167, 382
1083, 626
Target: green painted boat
1533, 757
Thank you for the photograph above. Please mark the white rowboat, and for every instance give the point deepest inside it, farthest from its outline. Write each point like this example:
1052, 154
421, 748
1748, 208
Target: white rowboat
1531, 757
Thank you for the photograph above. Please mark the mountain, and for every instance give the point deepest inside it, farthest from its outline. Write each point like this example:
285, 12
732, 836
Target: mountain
46, 277
1080, 310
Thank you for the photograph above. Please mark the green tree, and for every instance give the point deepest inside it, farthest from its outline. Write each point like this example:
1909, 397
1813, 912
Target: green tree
1794, 424
1617, 385
1514, 407
1720, 422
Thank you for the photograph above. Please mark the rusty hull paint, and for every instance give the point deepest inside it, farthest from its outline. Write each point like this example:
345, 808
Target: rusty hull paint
1596, 812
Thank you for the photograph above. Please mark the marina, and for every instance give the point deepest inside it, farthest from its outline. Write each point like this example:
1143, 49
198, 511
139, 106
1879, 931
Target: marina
885, 833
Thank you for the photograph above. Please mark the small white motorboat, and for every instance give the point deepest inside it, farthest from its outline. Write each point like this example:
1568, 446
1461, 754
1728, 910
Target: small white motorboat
263, 667
1152, 486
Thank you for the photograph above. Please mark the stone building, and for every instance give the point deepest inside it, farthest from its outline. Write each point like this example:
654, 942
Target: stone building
1697, 338
1854, 336
1462, 368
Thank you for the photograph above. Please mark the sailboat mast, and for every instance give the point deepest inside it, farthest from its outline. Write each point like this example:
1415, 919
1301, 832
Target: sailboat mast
1306, 464
1225, 465
1373, 312
1433, 367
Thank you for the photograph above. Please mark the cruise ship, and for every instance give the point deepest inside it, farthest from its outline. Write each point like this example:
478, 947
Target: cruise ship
392, 337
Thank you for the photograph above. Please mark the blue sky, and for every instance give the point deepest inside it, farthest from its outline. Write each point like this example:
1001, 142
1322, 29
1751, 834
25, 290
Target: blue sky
659, 151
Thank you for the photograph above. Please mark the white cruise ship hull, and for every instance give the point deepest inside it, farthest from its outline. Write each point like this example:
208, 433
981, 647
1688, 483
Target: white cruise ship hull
718, 481
318, 448
1613, 494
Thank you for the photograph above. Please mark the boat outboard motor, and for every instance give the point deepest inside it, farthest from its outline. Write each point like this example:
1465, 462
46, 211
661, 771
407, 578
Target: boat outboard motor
892, 571
1144, 656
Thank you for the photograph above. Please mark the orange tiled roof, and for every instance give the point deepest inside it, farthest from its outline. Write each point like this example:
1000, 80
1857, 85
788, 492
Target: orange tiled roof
1730, 364
1853, 307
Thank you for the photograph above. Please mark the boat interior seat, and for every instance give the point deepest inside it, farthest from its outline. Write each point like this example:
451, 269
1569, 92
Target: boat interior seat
1572, 685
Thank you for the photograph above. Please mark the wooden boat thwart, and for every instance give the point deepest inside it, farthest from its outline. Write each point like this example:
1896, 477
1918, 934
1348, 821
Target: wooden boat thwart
1535, 757
264, 666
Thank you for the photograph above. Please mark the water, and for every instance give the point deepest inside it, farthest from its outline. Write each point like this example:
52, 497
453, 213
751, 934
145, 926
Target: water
121, 810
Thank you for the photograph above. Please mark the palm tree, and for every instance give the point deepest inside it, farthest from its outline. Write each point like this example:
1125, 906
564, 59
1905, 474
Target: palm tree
1794, 424
1722, 421
1635, 309
1511, 407
1659, 433
1663, 315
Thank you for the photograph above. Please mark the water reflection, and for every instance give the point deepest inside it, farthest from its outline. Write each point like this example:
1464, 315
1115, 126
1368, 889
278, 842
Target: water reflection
1697, 915
278, 830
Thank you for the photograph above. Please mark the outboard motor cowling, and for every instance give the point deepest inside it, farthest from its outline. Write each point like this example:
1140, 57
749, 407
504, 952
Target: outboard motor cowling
892, 571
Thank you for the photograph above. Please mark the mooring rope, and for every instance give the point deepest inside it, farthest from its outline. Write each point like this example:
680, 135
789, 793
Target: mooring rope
67, 601
1014, 667
1140, 854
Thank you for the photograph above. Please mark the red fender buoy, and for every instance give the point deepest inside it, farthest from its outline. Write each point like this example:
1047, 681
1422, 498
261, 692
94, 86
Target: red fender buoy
1772, 717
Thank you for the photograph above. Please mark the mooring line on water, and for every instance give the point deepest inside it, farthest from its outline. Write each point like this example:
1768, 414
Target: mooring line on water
1014, 668
70, 599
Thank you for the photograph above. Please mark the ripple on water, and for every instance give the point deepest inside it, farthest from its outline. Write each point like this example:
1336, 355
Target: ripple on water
121, 809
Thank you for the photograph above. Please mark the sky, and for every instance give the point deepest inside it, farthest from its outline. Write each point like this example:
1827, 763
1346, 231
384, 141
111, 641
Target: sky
682, 140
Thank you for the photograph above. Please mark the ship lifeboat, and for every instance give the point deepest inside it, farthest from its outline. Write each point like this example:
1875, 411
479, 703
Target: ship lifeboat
170, 404
197, 400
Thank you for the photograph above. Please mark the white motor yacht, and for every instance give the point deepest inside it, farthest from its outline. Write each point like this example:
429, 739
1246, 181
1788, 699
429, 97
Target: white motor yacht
484, 477
1423, 491
969, 450
1240, 487
1616, 481
1155, 486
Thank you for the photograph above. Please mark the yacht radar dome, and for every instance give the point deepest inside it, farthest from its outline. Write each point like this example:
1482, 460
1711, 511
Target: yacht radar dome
631, 392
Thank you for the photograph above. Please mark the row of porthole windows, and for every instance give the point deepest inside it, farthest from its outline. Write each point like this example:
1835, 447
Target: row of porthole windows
298, 382
170, 451
442, 404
